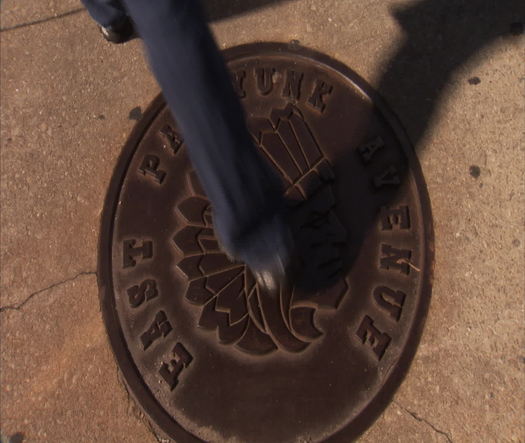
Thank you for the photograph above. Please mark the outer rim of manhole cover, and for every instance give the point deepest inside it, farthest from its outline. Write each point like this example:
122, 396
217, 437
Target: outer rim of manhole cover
131, 374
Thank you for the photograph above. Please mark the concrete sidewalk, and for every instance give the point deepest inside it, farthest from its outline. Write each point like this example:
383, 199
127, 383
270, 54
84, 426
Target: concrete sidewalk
68, 102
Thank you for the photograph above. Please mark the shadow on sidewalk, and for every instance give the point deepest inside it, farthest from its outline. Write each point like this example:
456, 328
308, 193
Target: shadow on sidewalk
221, 9
440, 37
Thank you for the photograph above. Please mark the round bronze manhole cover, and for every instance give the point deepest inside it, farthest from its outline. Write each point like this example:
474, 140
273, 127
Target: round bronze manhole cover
203, 350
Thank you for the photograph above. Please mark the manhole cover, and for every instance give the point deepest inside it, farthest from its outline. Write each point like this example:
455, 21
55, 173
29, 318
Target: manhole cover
206, 354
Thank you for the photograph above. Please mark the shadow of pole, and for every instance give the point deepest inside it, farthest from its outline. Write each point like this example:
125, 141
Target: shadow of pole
440, 37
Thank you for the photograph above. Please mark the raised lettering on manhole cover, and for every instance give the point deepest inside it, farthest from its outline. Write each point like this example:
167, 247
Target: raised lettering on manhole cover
206, 353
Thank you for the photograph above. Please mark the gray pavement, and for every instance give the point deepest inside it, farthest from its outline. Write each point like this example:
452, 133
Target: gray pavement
66, 101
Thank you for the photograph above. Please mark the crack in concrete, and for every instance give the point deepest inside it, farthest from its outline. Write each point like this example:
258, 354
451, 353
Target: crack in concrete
423, 420
134, 409
159, 440
153, 431
19, 306
43, 20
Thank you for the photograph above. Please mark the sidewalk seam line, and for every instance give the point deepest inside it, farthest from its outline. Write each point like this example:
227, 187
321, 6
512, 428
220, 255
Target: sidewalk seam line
43, 20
